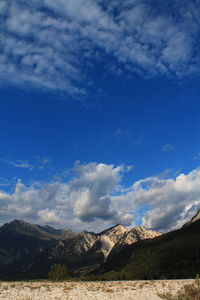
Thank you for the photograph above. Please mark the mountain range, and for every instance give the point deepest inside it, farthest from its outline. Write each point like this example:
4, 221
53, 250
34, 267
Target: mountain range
28, 251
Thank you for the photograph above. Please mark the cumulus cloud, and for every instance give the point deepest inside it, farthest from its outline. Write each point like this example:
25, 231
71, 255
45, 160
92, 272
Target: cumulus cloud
82, 201
171, 201
95, 199
48, 216
55, 45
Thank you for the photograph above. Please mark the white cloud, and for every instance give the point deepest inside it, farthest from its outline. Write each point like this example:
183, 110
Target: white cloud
171, 201
82, 201
94, 199
54, 45
48, 216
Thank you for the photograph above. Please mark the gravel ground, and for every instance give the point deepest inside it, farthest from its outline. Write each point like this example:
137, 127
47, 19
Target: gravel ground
122, 290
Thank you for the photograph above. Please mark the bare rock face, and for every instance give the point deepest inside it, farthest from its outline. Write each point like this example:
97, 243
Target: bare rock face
138, 233
108, 238
87, 240
73, 247
106, 244
131, 236
118, 235
114, 233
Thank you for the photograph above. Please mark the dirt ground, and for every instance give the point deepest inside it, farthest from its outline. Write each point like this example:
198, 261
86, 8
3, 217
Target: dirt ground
122, 290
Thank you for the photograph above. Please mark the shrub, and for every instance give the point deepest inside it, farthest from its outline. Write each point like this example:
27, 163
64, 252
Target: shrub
188, 292
58, 272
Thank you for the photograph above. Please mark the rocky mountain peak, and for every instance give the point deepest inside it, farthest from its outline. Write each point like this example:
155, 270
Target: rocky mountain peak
114, 232
120, 235
135, 234
119, 229
38, 231
18, 225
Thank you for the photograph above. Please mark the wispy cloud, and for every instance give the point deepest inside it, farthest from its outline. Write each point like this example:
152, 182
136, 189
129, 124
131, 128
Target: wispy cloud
94, 198
19, 163
55, 45
119, 132
140, 139
5, 182
122, 132
197, 156
167, 147
39, 163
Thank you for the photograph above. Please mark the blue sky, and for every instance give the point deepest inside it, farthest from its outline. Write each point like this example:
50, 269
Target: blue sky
99, 112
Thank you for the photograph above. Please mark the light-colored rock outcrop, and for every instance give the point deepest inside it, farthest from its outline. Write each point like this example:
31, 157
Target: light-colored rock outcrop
119, 235
138, 233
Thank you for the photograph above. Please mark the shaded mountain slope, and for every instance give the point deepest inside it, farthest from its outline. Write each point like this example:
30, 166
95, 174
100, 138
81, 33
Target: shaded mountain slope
38, 231
172, 255
20, 243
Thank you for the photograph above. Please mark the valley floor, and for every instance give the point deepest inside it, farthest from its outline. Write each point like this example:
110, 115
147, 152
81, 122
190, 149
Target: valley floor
122, 290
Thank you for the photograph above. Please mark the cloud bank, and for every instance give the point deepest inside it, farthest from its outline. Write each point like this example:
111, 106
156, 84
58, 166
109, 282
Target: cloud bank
95, 198
56, 45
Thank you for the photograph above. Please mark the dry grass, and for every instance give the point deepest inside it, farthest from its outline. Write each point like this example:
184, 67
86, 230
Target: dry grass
187, 292
65, 290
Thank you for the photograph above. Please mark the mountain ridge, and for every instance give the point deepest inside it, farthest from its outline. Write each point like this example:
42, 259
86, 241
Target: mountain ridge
46, 231
29, 251
35, 248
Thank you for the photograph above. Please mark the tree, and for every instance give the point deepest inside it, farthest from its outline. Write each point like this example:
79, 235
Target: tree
58, 272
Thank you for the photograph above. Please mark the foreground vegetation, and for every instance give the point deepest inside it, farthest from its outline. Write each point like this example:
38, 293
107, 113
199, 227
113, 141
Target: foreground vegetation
58, 272
187, 292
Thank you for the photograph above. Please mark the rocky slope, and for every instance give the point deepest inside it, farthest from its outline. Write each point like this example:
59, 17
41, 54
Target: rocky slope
107, 239
77, 246
115, 237
131, 236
